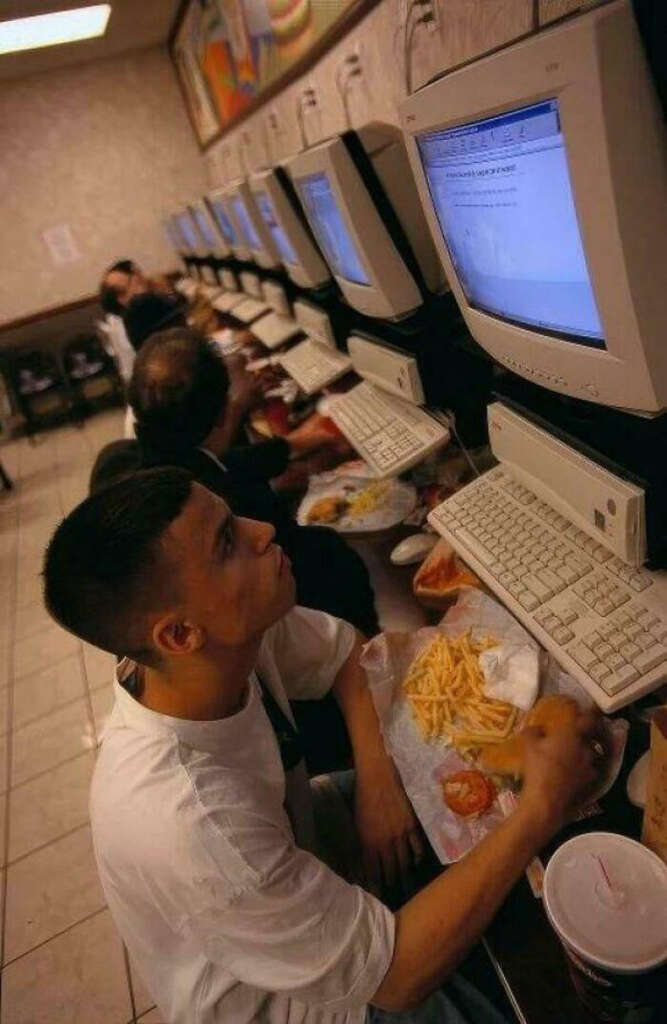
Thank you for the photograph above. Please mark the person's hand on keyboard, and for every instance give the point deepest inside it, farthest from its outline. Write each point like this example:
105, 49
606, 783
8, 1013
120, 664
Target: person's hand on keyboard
315, 432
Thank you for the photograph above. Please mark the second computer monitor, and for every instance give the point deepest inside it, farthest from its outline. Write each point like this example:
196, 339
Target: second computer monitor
217, 204
349, 229
299, 254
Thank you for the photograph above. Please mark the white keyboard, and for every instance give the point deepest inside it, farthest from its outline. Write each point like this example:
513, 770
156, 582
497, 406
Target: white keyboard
314, 365
250, 309
274, 330
227, 301
210, 291
604, 621
187, 287
390, 434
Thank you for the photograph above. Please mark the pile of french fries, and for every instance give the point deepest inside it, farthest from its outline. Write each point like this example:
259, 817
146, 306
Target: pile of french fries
444, 686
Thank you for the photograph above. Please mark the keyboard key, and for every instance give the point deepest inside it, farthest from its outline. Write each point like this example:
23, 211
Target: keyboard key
563, 635
603, 650
604, 607
551, 580
630, 651
647, 660
528, 600
532, 583
601, 554
640, 581
567, 616
659, 631
615, 662
551, 624
634, 629
645, 640
582, 655
567, 574
599, 671
618, 681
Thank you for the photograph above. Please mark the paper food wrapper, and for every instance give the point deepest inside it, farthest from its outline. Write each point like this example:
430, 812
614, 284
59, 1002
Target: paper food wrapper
423, 765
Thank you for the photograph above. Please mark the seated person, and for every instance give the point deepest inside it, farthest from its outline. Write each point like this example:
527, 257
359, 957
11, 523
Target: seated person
149, 312
202, 815
123, 280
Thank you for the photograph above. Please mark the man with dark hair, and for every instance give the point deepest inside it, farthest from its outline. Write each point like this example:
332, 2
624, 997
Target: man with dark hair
151, 311
122, 281
202, 816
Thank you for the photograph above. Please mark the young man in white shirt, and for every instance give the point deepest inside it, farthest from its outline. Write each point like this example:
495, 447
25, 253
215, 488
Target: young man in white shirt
201, 810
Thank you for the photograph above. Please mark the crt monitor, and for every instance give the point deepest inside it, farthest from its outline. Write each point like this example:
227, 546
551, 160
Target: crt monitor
217, 204
349, 229
208, 235
543, 172
255, 236
173, 235
186, 229
278, 208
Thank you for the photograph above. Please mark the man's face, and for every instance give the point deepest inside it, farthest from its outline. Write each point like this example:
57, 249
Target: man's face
236, 581
126, 286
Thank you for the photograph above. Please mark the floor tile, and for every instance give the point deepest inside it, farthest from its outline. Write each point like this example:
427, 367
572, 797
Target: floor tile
3, 825
152, 1017
3, 764
28, 589
45, 691
31, 619
76, 978
43, 649
4, 708
100, 666
49, 890
49, 741
49, 806
5, 655
143, 1000
102, 702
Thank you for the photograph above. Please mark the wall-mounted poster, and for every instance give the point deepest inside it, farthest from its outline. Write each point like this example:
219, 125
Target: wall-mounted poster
233, 55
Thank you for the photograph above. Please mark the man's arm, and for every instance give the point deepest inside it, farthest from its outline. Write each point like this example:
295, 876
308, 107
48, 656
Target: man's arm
388, 829
436, 928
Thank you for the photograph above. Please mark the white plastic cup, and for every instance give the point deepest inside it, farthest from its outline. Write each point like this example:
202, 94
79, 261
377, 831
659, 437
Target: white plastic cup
606, 898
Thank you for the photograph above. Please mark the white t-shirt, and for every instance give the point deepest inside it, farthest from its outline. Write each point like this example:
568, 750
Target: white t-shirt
202, 847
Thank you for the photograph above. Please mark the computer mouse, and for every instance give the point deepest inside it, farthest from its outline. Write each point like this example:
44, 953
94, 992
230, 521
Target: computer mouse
413, 549
638, 781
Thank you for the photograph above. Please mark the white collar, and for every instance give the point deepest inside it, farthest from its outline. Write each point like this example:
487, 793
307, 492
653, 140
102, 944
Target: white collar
214, 457
206, 736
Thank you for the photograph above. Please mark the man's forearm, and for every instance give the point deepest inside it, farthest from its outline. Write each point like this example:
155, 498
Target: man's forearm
351, 691
438, 926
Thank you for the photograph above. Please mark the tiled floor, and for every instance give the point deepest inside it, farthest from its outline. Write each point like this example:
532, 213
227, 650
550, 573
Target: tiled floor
62, 960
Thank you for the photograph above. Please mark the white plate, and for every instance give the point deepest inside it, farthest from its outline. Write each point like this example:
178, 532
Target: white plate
396, 503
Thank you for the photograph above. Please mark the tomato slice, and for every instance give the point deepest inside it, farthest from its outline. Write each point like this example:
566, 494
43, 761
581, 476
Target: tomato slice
468, 792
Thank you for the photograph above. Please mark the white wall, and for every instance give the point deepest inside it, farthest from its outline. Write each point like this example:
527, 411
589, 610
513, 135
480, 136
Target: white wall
105, 147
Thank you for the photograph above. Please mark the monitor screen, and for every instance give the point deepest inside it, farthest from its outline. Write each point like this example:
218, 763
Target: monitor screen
187, 230
282, 242
246, 224
172, 234
329, 228
502, 194
204, 226
223, 221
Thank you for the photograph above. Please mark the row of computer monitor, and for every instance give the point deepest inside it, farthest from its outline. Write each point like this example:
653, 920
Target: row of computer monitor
541, 172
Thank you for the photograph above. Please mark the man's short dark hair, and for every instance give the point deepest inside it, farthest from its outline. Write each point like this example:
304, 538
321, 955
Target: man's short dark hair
150, 312
108, 295
178, 390
104, 569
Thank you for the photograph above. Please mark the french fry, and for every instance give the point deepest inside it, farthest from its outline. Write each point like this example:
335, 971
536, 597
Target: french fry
445, 688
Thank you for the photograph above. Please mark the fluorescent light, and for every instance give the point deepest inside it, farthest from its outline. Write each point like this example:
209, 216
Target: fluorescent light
53, 29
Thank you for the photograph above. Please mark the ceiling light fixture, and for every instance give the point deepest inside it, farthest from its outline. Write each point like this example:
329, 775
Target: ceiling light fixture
53, 29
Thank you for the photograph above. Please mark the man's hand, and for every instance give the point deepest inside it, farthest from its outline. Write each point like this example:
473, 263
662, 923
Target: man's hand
390, 836
315, 432
562, 767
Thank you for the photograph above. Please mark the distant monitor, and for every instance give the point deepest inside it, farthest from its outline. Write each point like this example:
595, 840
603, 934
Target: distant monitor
543, 173
187, 232
364, 210
217, 205
276, 297
173, 236
209, 237
254, 235
278, 208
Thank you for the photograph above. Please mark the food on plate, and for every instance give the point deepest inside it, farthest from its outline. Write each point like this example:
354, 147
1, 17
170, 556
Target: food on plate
468, 792
367, 500
548, 713
445, 688
328, 510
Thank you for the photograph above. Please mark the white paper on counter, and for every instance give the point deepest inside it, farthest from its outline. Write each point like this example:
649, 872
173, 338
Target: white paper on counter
423, 765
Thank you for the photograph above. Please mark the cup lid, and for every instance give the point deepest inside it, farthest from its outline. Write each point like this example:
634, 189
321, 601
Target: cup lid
606, 897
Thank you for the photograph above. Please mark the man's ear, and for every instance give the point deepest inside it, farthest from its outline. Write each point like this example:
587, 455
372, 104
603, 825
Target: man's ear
174, 635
